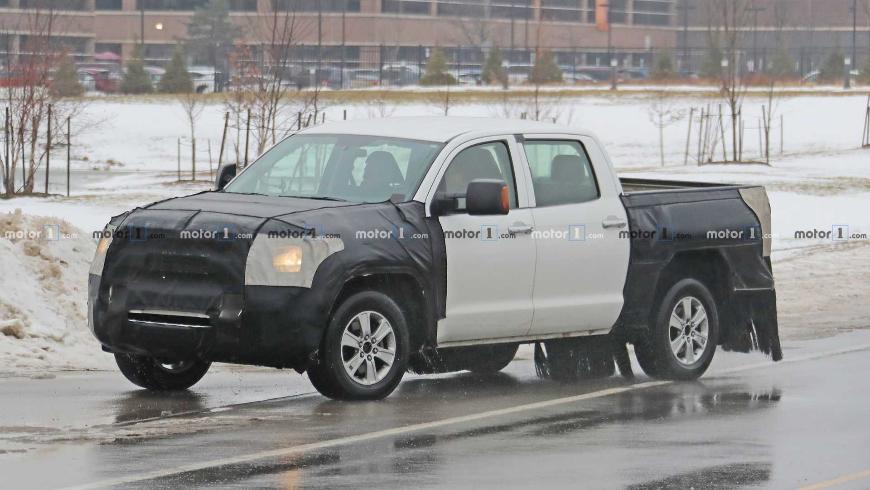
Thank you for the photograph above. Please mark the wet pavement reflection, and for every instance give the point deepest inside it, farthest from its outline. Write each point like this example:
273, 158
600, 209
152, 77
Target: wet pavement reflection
778, 426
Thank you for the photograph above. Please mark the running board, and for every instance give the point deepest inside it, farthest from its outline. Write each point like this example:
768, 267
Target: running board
523, 339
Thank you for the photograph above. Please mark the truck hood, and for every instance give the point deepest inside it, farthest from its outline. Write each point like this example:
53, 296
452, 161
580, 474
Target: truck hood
250, 205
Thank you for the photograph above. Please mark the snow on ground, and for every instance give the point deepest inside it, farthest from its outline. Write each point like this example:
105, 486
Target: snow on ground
130, 159
43, 316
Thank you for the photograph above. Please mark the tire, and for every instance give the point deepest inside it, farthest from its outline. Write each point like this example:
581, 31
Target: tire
688, 299
151, 374
371, 376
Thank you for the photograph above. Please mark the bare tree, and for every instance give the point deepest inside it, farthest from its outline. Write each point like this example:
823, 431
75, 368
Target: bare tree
663, 112
192, 105
272, 105
727, 17
30, 99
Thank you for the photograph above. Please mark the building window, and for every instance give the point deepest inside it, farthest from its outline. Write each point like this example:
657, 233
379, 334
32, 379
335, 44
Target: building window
108, 4
414, 7
243, 5
463, 8
76, 5
316, 5
512, 9
107, 48
561, 10
171, 4
653, 12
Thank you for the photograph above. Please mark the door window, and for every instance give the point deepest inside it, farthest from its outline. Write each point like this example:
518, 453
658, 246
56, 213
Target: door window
561, 172
484, 161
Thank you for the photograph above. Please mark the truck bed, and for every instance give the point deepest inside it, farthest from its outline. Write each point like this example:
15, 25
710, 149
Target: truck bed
720, 230
636, 185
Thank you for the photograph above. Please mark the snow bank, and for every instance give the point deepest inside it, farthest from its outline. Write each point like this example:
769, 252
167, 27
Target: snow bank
43, 318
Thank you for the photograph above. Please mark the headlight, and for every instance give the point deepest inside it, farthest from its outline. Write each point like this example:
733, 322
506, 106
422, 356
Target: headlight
102, 247
290, 260
274, 261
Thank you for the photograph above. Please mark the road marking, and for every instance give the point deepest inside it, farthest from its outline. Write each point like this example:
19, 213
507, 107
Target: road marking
341, 441
838, 481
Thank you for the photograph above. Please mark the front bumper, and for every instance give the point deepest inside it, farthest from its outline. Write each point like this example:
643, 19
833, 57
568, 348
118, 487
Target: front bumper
259, 325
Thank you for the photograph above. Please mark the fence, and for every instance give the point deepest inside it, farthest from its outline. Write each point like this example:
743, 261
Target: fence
385, 65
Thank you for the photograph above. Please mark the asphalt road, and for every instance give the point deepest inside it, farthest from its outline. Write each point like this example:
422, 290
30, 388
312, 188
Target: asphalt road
748, 423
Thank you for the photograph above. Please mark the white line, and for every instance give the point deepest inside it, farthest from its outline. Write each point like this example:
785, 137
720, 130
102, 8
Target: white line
838, 481
341, 441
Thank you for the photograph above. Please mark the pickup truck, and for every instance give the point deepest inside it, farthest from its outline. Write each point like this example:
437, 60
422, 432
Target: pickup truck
357, 251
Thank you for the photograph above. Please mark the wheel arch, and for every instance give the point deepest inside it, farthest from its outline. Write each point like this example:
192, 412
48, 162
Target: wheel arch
709, 268
407, 290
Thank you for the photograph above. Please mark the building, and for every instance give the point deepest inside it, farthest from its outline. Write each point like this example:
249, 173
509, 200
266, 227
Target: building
368, 33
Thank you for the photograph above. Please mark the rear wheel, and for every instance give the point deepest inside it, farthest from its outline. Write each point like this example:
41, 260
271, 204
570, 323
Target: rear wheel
365, 350
683, 340
159, 375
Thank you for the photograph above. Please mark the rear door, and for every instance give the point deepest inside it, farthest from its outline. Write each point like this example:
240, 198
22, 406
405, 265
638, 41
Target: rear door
581, 260
490, 259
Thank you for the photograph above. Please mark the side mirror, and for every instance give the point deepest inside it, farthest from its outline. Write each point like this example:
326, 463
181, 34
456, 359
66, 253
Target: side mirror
487, 197
224, 176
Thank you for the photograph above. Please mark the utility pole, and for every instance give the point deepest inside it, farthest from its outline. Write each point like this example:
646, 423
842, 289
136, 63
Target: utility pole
512, 25
142, 27
855, 32
755, 11
613, 62
343, 42
319, 40
685, 8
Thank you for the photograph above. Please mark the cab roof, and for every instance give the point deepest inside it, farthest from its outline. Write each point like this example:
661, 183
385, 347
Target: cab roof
436, 128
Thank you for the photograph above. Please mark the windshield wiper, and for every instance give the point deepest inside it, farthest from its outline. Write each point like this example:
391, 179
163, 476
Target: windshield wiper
320, 198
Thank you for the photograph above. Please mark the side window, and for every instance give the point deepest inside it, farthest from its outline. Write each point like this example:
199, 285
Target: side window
484, 161
561, 172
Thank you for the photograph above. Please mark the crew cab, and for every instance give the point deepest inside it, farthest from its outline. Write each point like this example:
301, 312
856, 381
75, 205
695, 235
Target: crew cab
356, 251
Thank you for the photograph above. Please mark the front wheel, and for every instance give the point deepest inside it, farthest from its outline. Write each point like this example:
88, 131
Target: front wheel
681, 343
365, 350
157, 375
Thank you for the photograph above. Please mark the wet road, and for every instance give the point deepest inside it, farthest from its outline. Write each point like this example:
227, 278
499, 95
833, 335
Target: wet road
748, 423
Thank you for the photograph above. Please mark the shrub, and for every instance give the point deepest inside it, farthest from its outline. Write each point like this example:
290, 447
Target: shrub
493, 69
136, 79
545, 70
66, 80
436, 70
176, 80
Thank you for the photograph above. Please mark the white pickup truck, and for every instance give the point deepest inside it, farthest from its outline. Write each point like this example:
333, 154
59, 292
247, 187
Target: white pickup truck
359, 250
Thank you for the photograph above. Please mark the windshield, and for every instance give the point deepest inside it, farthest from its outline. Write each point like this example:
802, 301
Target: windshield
341, 167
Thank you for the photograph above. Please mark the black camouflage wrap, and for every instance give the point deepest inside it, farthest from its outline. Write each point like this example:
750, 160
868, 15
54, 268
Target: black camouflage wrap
149, 266
681, 220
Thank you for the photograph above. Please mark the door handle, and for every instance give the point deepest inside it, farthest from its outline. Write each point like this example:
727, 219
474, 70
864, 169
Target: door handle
614, 222
520, 228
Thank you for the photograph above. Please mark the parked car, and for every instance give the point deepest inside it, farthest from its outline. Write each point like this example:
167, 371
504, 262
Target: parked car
357, 250
400, 74
363, 77
469, 76
106, 75
576, 77
518, 74
203, 78
815, 77
155, 73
